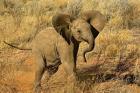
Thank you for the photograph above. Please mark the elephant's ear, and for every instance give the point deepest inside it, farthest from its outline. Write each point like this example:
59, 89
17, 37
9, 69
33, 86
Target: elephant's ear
96, 20
61, 22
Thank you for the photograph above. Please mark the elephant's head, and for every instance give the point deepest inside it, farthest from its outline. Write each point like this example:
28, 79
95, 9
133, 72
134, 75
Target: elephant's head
97, 22
85, 28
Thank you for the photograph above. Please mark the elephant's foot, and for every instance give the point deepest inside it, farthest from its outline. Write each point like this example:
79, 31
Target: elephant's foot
71, 80
70, 87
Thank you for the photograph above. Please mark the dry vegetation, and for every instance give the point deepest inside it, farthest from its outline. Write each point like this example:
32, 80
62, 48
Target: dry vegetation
113, 66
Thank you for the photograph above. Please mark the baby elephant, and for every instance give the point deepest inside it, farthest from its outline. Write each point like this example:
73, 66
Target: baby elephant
50, 50
59, 44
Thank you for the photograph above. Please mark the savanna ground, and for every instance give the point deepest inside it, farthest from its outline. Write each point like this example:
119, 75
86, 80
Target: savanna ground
113, 66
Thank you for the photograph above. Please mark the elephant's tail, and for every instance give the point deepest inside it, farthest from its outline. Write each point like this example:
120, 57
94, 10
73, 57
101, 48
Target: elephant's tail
20, 48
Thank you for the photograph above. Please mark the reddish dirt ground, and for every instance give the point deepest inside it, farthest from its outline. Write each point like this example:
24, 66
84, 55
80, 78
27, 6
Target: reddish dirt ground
25, 79
25, 76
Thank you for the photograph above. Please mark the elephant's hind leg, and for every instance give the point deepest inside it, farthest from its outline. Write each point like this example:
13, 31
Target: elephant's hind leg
53, 68
40, 68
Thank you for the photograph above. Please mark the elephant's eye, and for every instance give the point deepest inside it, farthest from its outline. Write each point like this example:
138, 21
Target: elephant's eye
79, 31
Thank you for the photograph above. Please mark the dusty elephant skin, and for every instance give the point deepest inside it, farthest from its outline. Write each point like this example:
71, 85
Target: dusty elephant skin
88, 25
59, 44
50, 50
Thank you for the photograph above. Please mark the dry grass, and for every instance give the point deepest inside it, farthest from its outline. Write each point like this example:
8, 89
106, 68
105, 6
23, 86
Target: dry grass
116, 54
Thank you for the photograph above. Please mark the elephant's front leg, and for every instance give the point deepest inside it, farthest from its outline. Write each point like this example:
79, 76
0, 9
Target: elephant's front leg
65, 52
40, 68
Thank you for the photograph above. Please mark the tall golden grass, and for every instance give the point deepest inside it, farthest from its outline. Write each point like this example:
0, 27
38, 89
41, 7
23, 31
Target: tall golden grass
117, 46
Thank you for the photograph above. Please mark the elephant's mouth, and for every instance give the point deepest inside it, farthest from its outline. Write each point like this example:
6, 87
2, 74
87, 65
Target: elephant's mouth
84, 40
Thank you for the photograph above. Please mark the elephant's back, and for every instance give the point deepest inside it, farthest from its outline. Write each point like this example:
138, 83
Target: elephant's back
45, 39
45, 35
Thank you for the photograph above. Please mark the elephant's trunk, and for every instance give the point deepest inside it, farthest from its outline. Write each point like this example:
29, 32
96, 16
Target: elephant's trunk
91, 42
